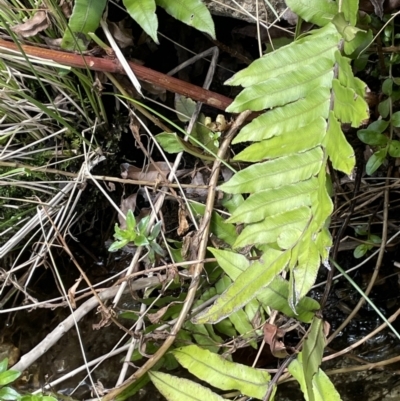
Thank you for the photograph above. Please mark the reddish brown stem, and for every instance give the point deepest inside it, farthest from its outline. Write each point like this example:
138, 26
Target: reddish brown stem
145, 74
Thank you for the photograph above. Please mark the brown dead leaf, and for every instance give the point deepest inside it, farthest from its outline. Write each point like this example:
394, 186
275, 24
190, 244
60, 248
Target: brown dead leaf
156, 317
157, 171
273, 336
38, 23
66, 8
198, 193
183, 223
127, 204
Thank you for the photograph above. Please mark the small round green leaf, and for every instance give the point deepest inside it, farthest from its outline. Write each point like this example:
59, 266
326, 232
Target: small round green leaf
387, 86
379, 126
396, 119
360, 251
372, 137
394, 149
383, 108
9, 394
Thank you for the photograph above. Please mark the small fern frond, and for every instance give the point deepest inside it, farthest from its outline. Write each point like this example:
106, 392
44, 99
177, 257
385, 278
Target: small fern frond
310, 90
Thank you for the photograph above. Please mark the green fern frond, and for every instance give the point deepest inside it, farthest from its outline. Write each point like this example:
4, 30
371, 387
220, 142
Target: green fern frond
310, 90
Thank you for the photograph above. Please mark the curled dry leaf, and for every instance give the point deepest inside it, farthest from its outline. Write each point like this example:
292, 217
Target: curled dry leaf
156, 317
72, 292
66, 8
273, 336
120, 34
38, 23
183, 223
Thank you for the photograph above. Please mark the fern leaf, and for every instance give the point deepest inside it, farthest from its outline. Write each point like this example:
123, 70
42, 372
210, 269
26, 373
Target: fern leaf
298, 141
287, 118
232, 263
270, 202
191, 12
349, 107
176, 389
226, 375
335, 140
285, 88
268, 230
275, 173
289, 58
289, 205
245, 287
144, 13
318, 12
305, 272
275, 295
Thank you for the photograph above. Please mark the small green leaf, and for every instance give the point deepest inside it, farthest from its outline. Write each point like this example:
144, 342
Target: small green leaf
141, 240
144, 13
232, 263
373, 138
383, 108
375, 161
9, 394
380, 125
394, 148
130, 221
270, 202
155, 231
387, 87
3, 365
396, 119
298, 141
360, 251
157, 248
143, 225
8, 377
117, 245
376, 239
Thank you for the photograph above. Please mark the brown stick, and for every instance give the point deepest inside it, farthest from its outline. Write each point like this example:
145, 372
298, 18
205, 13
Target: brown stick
145, 74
